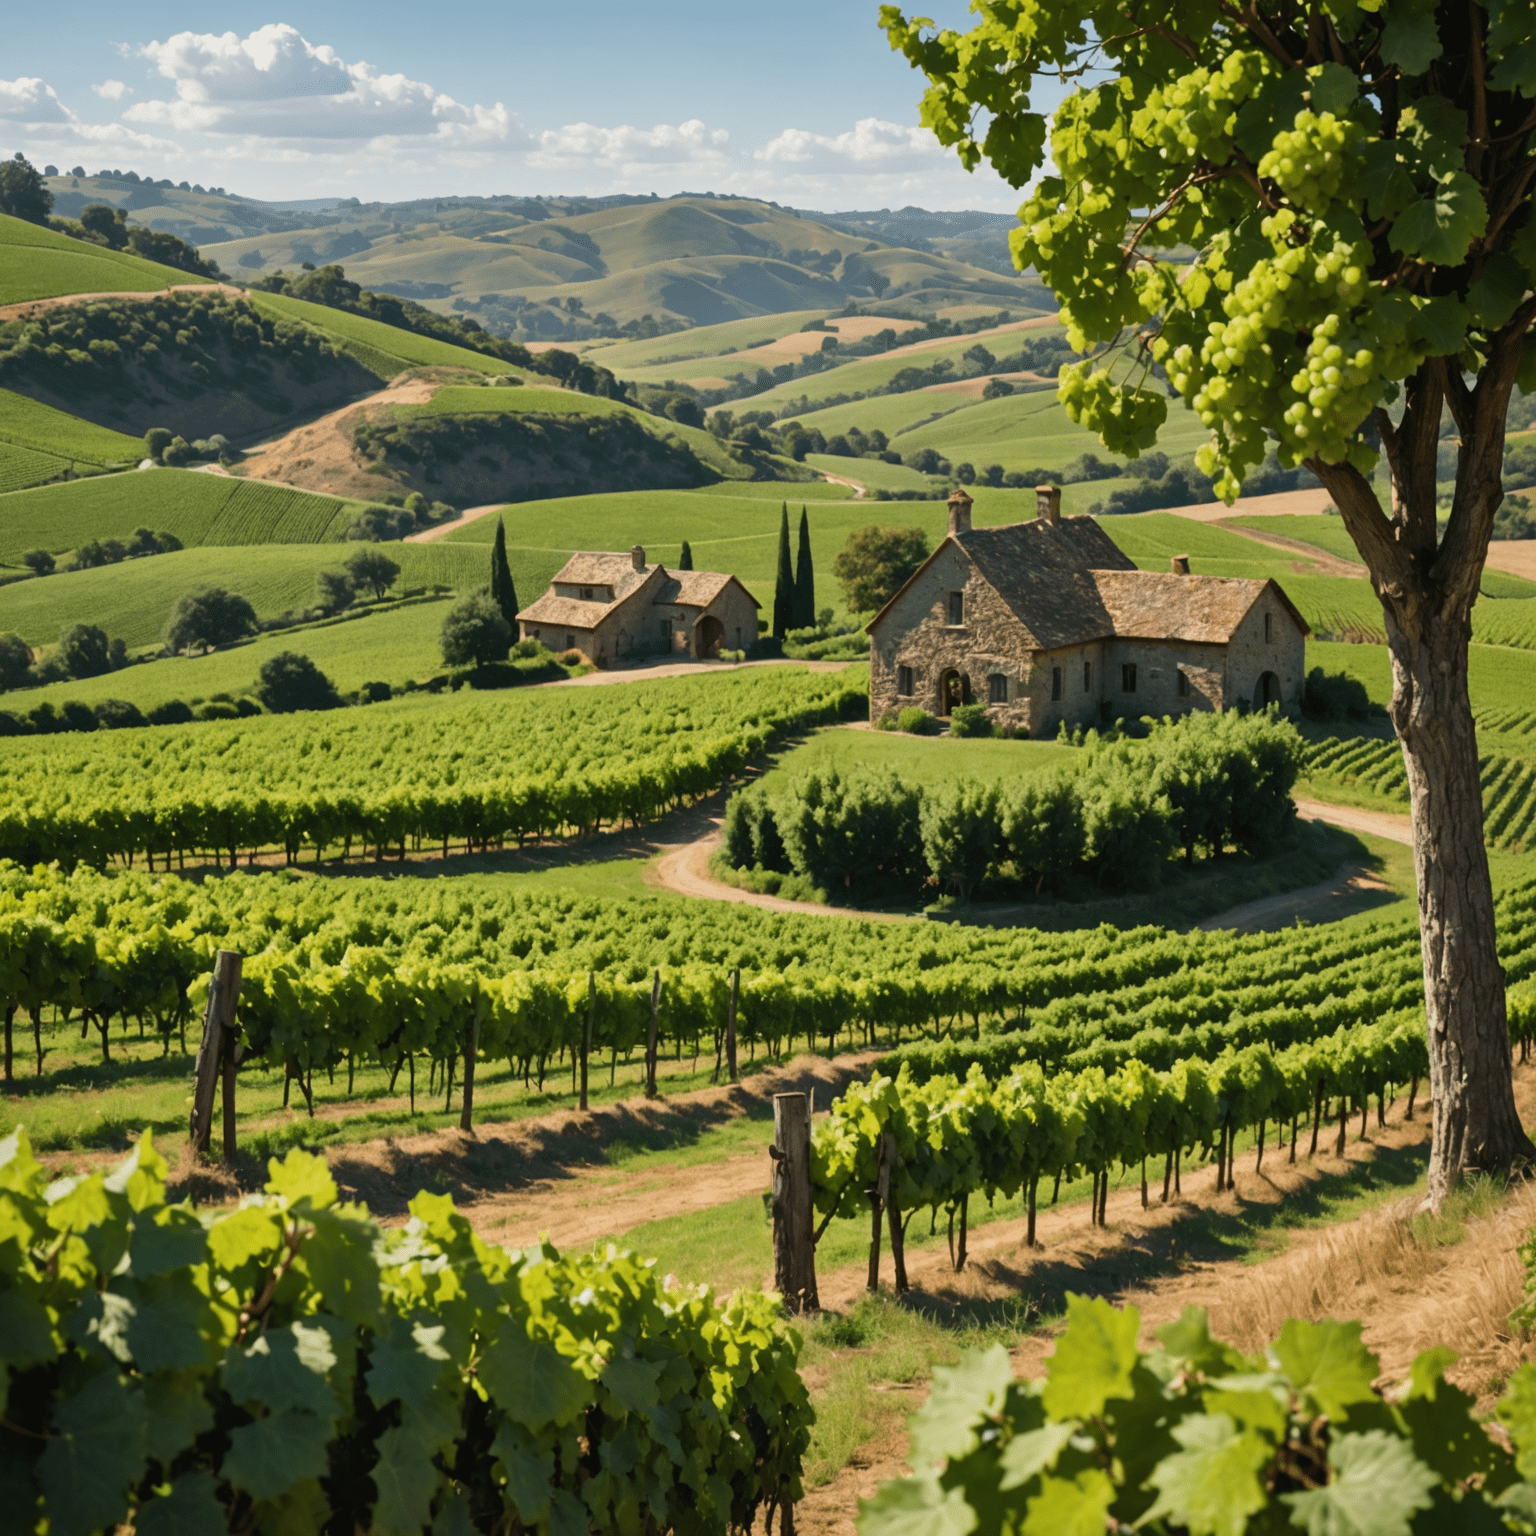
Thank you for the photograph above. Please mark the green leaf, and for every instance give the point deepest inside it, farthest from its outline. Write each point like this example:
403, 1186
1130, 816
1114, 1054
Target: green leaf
1440, 1419
1271, 110
173, 1241
268, 1458
1510, 46
176, 1412
191, 1508
249, 1233
1258, 1408
1389, 187
1378, 1486
1437, 129
1213, 1484
454, 1518
406, 1480
1517, 1413
26, 1335
1497, 293
532, 1382
632, 1382
1440, 229
1328, 1362
1028, 1455
1334, 89
1079, 1507
163, 1332
408, 1364
916, 1506
568, 1516
102, 1319
302, 1178
99, 1454
530, 1470
1409, 39
1441, 324
1189, 1339
285, 1368
960, 1398
1093, 1360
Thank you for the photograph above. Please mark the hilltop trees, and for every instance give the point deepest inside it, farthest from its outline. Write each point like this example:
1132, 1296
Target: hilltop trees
875, 562
1355, 182
372, 568
805, 579
291, 682
22, 193
83, 651
15, 662
503, 592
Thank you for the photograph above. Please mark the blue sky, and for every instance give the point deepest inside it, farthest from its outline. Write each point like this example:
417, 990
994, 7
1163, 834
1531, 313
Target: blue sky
797, 101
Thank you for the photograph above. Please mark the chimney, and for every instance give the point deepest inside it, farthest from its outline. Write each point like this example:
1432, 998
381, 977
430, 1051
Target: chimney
959, 511
1181, 565
1048, 503
637, 557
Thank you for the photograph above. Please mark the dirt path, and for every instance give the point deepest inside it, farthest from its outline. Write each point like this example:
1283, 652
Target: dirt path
1281, 504
1388, 824
1323, 902
859, 490
31, 307
1517, 557
463, 520
1322, 562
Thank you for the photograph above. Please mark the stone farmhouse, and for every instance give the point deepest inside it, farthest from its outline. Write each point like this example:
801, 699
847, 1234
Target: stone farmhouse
610, 607
1047, 621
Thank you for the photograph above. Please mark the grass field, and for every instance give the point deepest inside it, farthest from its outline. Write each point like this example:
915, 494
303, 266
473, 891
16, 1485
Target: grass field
920, 759
198, 508
43, 264
702, 341
27, 423
385, 349
876, 474
132, 601
24, 467
1327, 533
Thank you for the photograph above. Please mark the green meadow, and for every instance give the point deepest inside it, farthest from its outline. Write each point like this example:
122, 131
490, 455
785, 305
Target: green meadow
43, 264
28, 423
707, 342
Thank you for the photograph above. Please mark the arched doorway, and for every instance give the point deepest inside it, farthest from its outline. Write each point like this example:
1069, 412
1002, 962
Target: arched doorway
1268, 691
707, 635
954, 688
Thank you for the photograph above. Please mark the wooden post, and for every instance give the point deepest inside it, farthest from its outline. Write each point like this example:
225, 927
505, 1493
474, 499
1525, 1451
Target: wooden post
650, 1039
794, 1247
232, 1051
730, 1026
219, 1018
471, 1047
586, 1037
879, 1193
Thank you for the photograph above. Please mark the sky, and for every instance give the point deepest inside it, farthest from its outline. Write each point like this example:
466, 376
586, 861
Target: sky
799, 102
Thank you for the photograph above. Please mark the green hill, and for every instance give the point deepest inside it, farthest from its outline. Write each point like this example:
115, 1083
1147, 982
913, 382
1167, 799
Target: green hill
39, 444
40, 263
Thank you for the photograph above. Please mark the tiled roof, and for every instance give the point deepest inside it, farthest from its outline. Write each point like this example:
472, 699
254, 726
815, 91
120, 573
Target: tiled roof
586, 569
567, 611
1158, 605
695, 589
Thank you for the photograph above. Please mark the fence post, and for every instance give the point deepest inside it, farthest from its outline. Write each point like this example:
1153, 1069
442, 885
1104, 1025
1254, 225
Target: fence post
794, 1247
730, 1025
650, 1039
586, 1037
214, 1057
879, 1193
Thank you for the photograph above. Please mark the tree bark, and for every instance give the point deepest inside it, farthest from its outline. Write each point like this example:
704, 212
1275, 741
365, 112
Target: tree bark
1427, 585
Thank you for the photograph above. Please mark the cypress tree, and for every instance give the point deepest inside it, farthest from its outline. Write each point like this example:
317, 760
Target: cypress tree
805, 578
503, 593
784, 587
685, 560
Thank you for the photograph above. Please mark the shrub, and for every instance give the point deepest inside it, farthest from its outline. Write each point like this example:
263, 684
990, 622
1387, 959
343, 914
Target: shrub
380, 525
751, 836
859, 830
333, 591
15, 662
172, 712
246, 708
916, 721
970, 720
216, 709
39, 562
291, 682
375, 693
13, 725
1335, 696
45, 720
475, 633
83, 651
962, 834
78, 716
526, 650
118, 715
209, 617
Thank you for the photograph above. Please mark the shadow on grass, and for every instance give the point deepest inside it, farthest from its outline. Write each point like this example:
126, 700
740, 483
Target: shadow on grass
96, 1076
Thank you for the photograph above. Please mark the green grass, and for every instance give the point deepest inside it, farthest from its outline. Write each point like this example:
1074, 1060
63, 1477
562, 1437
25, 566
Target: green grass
23, 467
28, 424
931, 760
199, 508
43, 264
385, 349
625, 358
1326, 533
133, 600
877, 474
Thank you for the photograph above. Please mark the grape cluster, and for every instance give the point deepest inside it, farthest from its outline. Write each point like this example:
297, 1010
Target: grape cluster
1125, 417
1194, 117
1311, 162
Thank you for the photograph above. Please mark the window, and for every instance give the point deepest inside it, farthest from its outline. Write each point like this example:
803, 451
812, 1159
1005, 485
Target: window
570, 642
904, 682
666, 634
1087, 677
957, 608
1128, 677
738, 637
997, 688
1055, 684
586, 594
1268, 628
1183, 683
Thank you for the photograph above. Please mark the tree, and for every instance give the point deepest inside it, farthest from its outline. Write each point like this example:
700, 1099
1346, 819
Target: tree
156, 441
333, 591
805, 579
784, 584
475, 632
39, 561
22, 193
83, 651
290, 682
109, 225
208, 617
685, 558
503, 592
875, 562
1355, 182
372, 568
15, 662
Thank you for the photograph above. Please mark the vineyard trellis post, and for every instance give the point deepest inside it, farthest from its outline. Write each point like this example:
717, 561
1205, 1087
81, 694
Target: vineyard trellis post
879, 1192
586, 1034
214, 1058
650, 1039
794, 1245
730, 1026
471, 1050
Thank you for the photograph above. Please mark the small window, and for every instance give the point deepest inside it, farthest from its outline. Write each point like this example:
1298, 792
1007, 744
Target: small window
586, 594
738, 637
957, 608
570, 642
997, 688
1055, 684
666, 634
904, 682
1087, 677
1268, 628
1183, 683
1128, 677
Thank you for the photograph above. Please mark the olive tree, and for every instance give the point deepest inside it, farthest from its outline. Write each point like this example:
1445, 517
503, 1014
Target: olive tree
1353, 178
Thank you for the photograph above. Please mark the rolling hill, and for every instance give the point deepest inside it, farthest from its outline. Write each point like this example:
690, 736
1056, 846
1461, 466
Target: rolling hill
40, 263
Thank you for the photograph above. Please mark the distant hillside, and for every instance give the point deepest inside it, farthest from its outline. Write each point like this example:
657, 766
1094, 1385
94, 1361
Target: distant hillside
39, 263
981, 239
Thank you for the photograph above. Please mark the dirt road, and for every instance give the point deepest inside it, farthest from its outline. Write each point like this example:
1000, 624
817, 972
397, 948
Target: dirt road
30, 307
469, 515
1281, 504
1388, 824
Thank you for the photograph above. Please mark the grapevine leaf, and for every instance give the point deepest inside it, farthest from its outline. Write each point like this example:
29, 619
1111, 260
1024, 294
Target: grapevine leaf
275, 1454
1271, 109
917, 1506
191, 1508
1327, 1361
568, 1516
1440, 228
1189, 1339
408, 1365
26, 1335
632, 1382
1439, 1418
1511, 47
174, 1240
532, 1381
530, 1470
1258, 1408
1410, 39
1497, 293
406, 1480
301, 1178
18, 1168
1076, 1507
247, 1234
103, 1319
1377, 1487
177, 1413
1333, 88
1389, 187
454, 1518
1028, 1455
163, 1332
298, 1511
285, 1369
1441, 324
1094, 1359
1437, 130
98, 1454
1212, 1485
960, 1397
1517, 1413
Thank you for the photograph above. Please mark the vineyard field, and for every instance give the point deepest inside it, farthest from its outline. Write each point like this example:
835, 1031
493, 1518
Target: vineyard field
23, 467
28, 424
43, 264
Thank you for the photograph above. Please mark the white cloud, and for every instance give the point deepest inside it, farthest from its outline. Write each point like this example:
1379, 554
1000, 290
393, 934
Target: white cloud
870, 144
30, 100
627, 149
112, 90
274, 84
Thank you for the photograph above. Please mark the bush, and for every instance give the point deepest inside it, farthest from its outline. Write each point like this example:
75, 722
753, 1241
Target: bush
380, 525
970, 720
119, 715
475, 633
375, 693
45, 720
291, 682
172, 712
15, 662
526, 650
13, 725
962, 834
333, 591
1335, 696
219, 709
916, 721
876, 562
83, 651
751, 836
246, 708
855, 831
209, 617
39, 562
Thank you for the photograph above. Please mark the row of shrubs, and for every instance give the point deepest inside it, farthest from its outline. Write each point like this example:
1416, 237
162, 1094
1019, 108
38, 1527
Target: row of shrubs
1202, 784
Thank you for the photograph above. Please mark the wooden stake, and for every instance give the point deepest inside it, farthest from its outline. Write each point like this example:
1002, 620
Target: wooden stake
878, 1195
219, 1018
586, 1038
730, 1026
794, 1247
650, 1039
471, 1047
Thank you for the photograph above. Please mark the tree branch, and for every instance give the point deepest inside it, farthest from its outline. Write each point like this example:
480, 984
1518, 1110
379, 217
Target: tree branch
1477, 142
1249, 19
1355, 497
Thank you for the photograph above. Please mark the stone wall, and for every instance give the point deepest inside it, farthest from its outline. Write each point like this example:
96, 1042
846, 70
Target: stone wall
1158, 665
1078, 705
1250, 655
